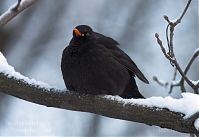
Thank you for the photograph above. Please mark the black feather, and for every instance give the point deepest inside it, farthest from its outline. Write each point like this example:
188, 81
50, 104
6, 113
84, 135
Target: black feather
93, 64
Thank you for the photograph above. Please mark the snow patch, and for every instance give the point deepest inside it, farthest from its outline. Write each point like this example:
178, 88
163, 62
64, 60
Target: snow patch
8, 70
196, 124
195, 82
176, 82
196, 51
188, 104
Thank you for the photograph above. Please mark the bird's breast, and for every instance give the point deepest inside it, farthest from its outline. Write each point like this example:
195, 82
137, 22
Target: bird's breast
94, 69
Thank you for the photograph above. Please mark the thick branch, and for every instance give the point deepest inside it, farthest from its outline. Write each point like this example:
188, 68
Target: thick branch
98, 105
15, 10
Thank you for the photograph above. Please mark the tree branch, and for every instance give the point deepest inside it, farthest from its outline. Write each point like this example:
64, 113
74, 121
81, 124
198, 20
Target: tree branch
94, 104
98, 105
171, 56
194, 56
15, 10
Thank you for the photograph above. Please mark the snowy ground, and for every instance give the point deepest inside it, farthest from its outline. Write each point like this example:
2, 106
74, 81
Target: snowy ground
188, 104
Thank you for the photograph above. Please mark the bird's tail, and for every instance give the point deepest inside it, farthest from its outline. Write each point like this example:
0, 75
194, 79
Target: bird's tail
131, 90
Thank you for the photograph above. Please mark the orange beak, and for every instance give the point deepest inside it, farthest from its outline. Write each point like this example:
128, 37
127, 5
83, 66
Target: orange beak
77, 32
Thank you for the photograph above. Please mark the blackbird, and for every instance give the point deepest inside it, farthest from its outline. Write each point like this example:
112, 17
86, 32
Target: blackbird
93, 64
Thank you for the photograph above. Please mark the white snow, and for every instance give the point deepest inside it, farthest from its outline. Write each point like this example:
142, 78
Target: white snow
196, 51
188, 104
195, 82
175, 82
196, 124
174, 20
8, 70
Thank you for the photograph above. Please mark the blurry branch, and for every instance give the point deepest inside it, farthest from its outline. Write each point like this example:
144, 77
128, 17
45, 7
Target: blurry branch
17, 5
174, 79
160, 82
181, 81
100, 105
15, 10
170, 55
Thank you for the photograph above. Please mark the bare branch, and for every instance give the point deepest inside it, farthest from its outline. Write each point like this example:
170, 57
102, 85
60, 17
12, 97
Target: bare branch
194, 56
15, 10
183, 13
17, 5
180, 82
192, 59
160, 82
159, 41
98, 105
174, 61
173, 85
171, 56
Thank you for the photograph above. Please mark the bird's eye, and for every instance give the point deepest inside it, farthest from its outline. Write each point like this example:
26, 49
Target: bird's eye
83, 35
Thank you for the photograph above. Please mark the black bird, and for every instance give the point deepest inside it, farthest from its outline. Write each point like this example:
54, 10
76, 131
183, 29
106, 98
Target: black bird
93, 64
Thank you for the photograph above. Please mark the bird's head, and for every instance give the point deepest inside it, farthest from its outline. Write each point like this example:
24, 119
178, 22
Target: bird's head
82, 32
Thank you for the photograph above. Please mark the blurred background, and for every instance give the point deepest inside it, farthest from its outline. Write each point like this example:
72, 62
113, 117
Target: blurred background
33, 43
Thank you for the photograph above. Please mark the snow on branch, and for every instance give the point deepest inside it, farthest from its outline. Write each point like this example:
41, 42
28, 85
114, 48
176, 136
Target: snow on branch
15, 10
175, 114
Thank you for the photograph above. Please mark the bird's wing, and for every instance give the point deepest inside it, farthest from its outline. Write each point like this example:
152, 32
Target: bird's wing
121, 56
131, 66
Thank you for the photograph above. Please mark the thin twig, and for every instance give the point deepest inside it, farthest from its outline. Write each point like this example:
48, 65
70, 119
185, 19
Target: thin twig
183, 13
168, 43
160, 82
171, 40
17, 5
159, 41
172, 25
171, 56
168, 38
180, 82
174, 61
174, 78
194, 56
